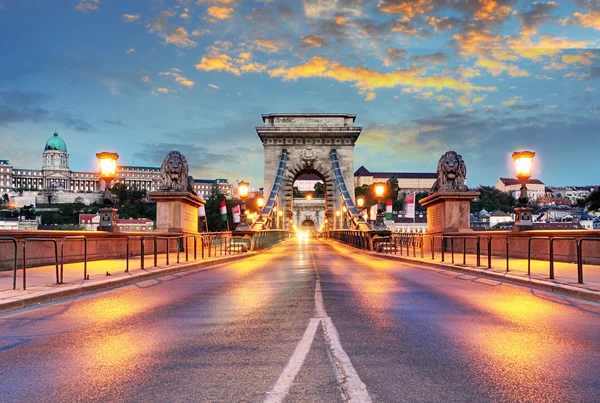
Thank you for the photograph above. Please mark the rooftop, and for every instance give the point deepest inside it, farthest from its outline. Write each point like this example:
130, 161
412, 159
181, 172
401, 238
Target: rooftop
362, 171
513, 181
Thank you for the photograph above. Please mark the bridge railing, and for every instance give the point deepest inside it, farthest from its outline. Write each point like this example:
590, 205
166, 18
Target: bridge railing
483, 247
138, 247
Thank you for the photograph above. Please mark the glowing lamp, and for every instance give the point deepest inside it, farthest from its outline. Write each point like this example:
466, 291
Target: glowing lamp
280, 213
360, 201
309, 197
523, 162
338, 213
260, 202
344, 209
243, 189
108, 164
379, 189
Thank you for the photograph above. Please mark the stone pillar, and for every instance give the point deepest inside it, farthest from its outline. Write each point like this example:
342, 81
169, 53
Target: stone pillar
449, 211
177, 211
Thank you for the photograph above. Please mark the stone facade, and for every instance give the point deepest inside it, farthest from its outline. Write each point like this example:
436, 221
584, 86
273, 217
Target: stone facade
308, 140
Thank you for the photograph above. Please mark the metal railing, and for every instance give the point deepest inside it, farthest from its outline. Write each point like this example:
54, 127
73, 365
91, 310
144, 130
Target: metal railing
25, 257
400, 243
14, 241
62, 255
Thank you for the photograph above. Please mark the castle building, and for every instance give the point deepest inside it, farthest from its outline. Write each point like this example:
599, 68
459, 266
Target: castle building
55, 182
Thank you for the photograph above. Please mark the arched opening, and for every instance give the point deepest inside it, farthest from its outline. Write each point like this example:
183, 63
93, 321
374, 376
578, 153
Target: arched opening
308, 195
308, 224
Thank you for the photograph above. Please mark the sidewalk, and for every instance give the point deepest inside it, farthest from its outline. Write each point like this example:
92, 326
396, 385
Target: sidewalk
42, 287
565, 274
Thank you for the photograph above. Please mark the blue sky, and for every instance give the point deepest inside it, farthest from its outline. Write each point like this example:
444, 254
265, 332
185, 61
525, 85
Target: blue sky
143, 77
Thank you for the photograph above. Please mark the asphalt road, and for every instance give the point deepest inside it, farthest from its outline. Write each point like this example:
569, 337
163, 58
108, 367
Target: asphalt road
305, 322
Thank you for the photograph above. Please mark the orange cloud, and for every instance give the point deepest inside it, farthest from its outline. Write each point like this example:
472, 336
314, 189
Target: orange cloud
220, 13
490, 10
176, 35
406, 8
219, 62
145, 79
366, 79
163, 90
131, 17
573, 59
589, 20
495, 67
370, 96
181, 80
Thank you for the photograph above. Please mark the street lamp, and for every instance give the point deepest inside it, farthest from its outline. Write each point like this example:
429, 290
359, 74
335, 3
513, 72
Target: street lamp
309, 197
243, 187
337, 223
279, 219
360, 202
523, 161
108, 167
379, 189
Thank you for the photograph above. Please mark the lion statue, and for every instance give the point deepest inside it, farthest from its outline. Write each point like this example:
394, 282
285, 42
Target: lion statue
451, 173
174, 172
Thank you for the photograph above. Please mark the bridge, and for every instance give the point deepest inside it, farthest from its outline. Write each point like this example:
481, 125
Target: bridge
272, 315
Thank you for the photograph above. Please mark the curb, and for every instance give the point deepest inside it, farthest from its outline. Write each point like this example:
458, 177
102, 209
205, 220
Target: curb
549, 286
55, 294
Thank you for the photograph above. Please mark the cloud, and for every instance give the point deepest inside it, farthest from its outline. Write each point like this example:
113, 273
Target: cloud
435, 58
26, 106
495, 67
312, 41
576, 59
220, 13
405, 8
145, 79
538, 14
179, 79
394, 55
213, 86
114, 122
131, 17
268, 45
163, 90
171, 33
491, 10
589, 20
370, 96
85, 6
444, 23
218, 62
328, 9
129, 51
366, 79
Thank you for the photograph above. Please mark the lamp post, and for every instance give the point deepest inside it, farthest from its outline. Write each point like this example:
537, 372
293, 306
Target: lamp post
344, 217
360, 202
336, 223
523, 214
379, 189
108, 167
243, 187
279, 219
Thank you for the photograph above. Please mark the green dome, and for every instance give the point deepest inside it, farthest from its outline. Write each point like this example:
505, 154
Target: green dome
55, 143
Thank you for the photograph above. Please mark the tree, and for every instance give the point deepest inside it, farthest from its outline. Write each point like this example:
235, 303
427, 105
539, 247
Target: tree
319, 190
5, 198
492, 199
393, 187
128, 210
593, 201
27, 212
418, 197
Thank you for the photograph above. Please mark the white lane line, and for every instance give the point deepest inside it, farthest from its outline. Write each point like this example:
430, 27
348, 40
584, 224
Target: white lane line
353, 389
283, 384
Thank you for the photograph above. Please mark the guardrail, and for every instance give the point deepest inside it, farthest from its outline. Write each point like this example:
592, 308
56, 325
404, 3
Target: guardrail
401, 243
62, 255
14, 241
25, 257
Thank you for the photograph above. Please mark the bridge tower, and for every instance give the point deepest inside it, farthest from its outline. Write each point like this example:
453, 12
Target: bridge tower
309, 143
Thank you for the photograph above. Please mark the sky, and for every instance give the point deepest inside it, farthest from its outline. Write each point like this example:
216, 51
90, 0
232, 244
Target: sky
144, 77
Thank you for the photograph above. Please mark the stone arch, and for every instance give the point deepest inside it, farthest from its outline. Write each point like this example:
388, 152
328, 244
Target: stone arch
308, 224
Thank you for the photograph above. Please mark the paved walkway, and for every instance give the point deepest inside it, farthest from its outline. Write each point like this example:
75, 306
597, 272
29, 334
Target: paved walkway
41, 283
565, 274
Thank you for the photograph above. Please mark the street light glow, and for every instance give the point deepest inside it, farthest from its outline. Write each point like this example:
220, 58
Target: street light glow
260, 202
280, 213
523, 162
379, 189
108, 164
309, 197
243, 189
360, 201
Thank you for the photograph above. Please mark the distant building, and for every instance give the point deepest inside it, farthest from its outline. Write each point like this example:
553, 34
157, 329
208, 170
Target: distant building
57, 183
407, 181
499, 217
90, 222
16, 223
588, 221
307, 182
408, 225
535, 187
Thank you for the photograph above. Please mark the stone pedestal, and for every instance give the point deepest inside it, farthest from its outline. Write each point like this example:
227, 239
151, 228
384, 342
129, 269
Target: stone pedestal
449, 211
108, 219
177, 211
523, 219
